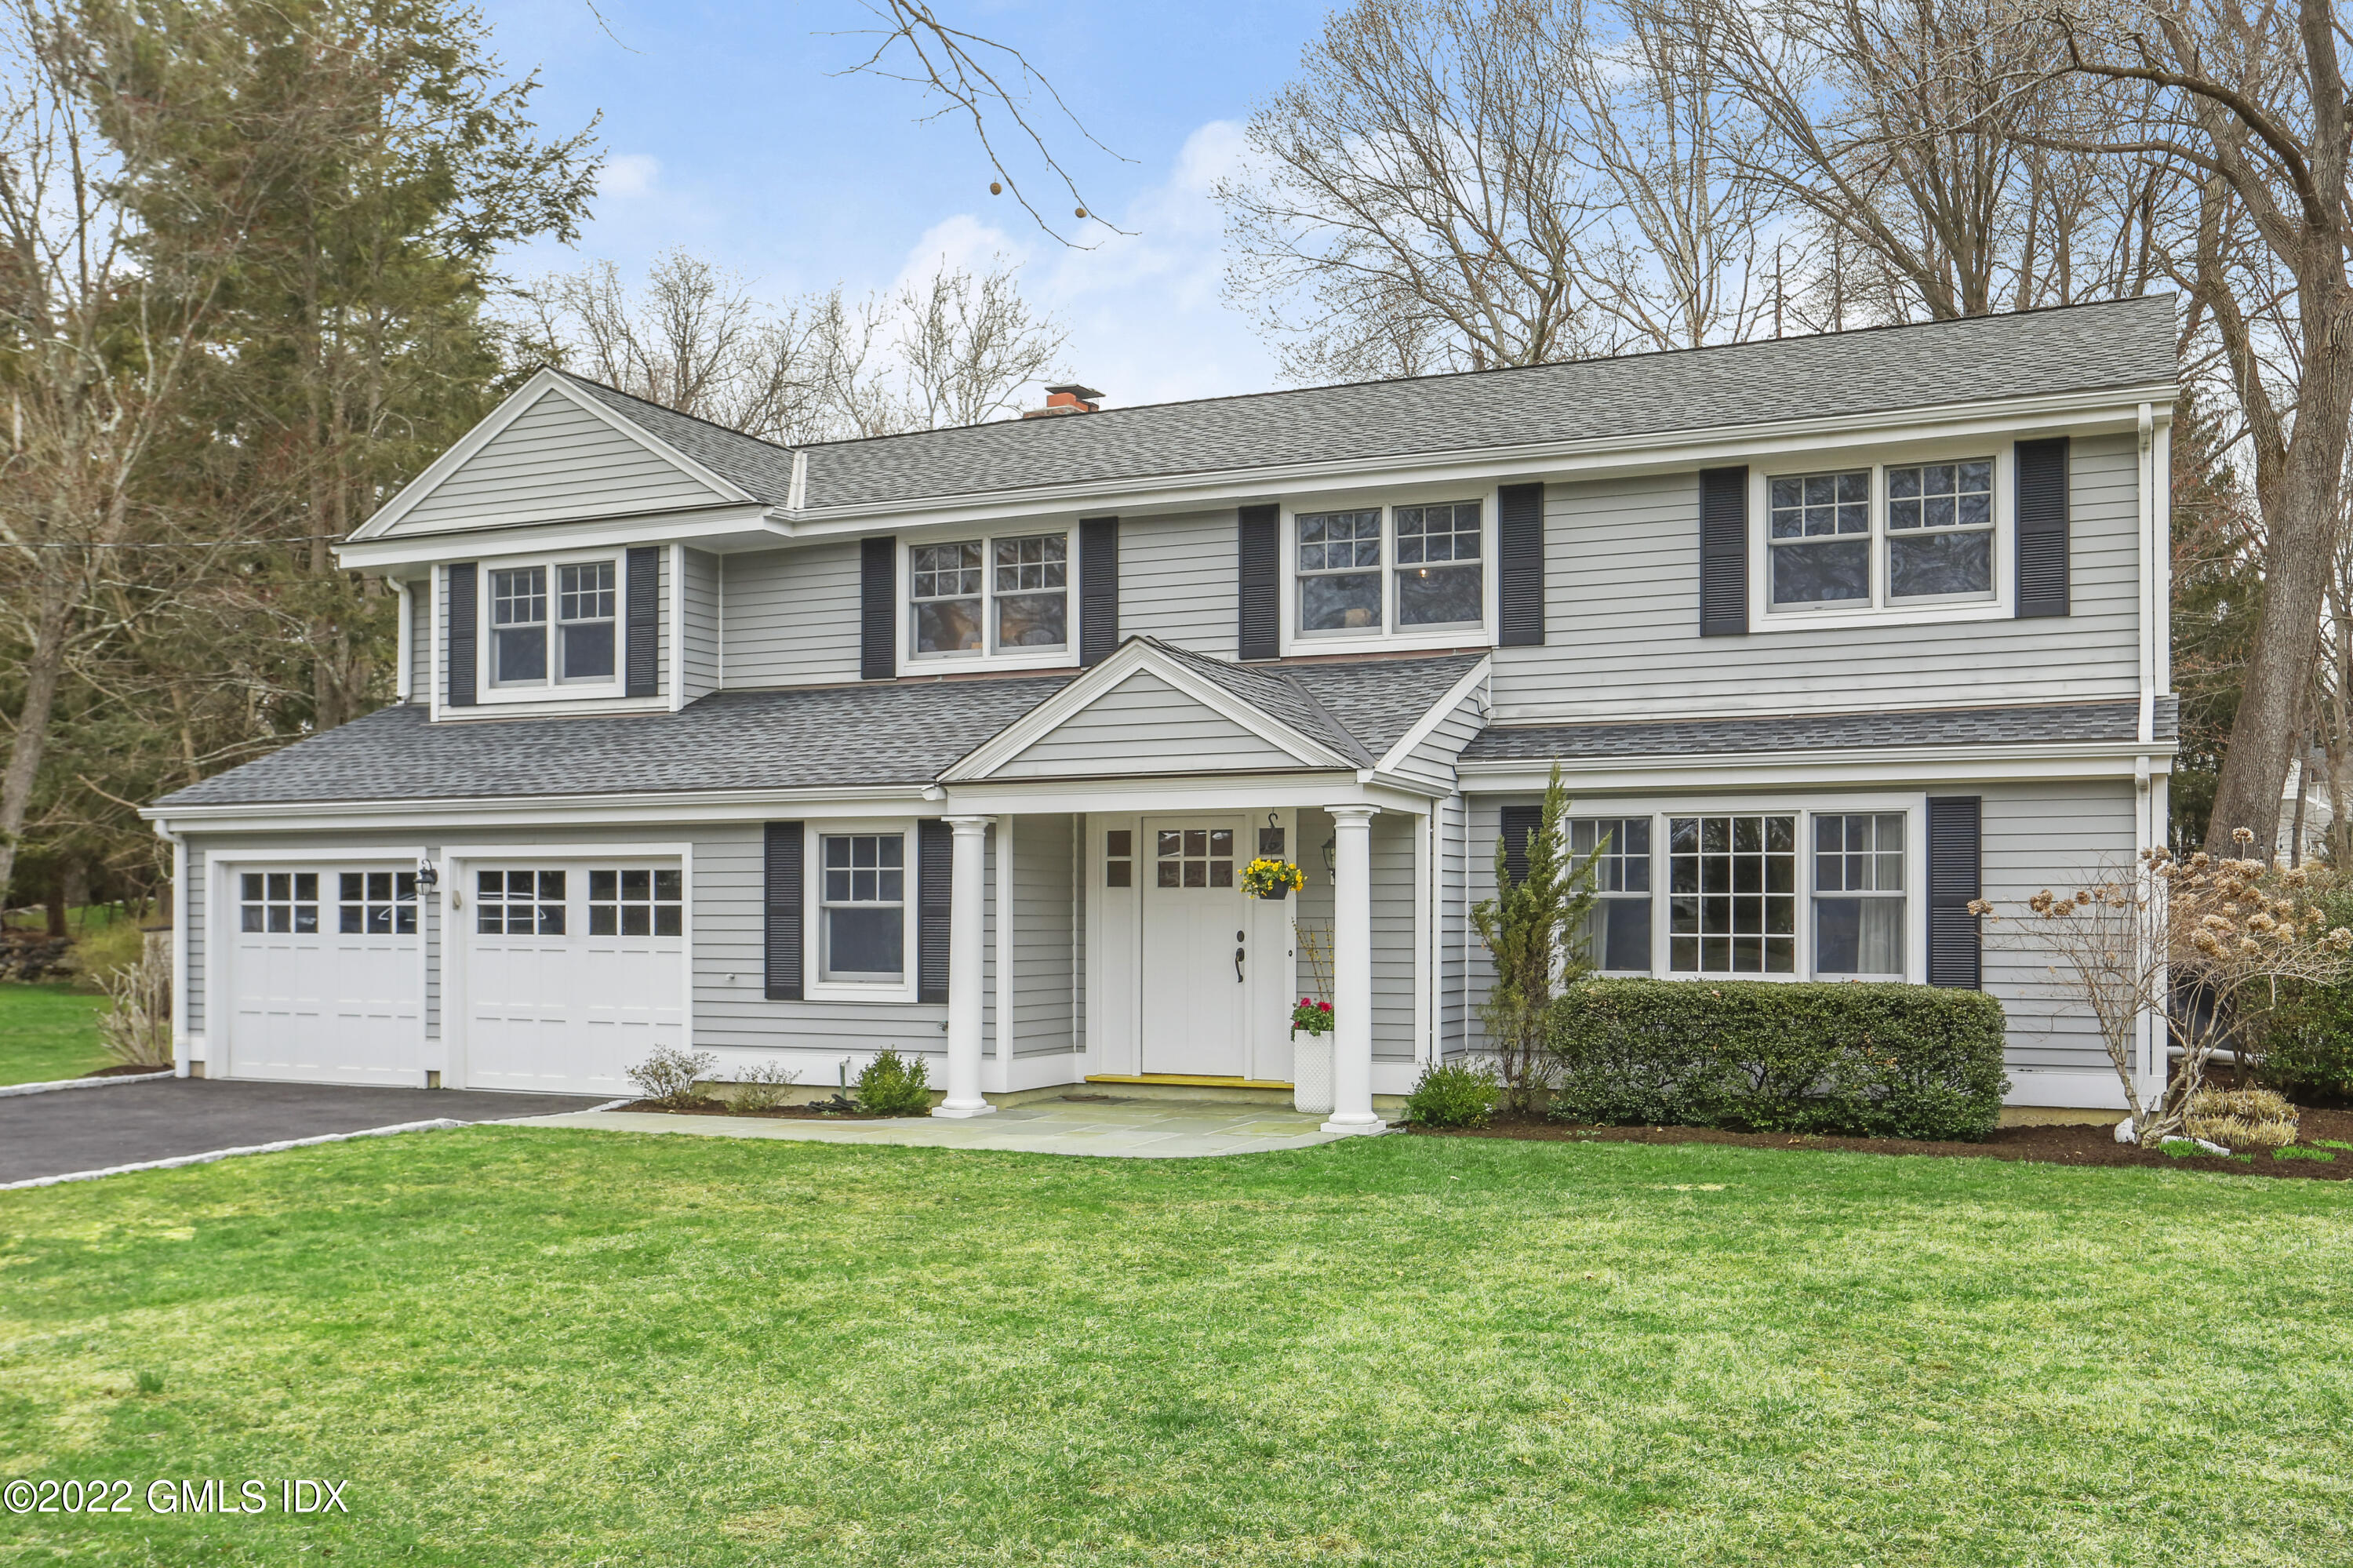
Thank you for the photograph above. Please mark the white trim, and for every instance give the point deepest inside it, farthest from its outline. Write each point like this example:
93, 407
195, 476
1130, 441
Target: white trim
745, 526
1440, 712
2065, 1090
814, 986
552, 692
404, 647
990, 657
437, 1125
1137, 654
1859, 765
183, 1048
59, 1085
456, 1064
524, 398
1389, 639
1881, 609
1002, 1039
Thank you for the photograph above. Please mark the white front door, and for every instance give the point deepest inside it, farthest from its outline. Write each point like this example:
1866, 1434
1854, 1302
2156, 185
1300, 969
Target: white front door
1197, 950
574, 972
327, 978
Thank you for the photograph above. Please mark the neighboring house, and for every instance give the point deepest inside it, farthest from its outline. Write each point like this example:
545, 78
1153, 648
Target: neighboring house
958, 741
2305, 790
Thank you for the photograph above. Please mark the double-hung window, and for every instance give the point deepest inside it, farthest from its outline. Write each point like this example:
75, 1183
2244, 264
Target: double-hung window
862, 905
1859, 893
1372, 572
1882, 536
973, 597
1617, 935
579, 643
1732, 905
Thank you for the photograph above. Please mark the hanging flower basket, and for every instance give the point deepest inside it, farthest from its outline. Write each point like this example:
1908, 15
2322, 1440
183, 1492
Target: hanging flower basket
1268, 878
1311, 1017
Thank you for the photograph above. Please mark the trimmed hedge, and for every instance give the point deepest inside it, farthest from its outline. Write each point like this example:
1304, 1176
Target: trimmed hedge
1866, 1060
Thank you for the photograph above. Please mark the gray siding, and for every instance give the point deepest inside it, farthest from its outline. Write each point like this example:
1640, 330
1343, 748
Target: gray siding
1432, 762
555, 461
190, 916
699, 640
2050, 835
422, 617
1453, 923
1144, 724
1045, 936
1180, 579
789, 618
1621, 619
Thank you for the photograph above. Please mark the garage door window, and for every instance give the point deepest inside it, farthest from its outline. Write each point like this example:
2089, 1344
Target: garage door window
636, 904
519, 903
280, 901
378, 903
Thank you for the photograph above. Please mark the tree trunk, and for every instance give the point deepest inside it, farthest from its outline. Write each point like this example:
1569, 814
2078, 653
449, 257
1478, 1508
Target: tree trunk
42, 673
2298, 567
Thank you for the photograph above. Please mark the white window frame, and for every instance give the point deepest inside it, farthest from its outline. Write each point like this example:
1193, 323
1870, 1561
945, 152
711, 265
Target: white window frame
1389, 638
1881, 609
1913, 809
990, 657
814, 986
1906, 896
552, 689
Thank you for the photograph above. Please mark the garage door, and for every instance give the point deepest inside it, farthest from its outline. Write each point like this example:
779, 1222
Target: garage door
574, 972
326, 976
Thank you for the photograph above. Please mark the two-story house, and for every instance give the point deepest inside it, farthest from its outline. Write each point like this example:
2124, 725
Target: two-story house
958, 742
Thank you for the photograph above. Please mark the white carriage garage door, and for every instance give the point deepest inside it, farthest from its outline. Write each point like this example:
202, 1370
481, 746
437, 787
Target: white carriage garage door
575, 971
327, 976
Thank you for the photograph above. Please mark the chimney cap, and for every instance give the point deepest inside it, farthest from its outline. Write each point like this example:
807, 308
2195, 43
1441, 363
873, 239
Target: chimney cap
1085, 394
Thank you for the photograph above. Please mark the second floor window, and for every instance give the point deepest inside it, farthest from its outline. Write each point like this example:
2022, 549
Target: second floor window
1878, 537
988, 596
583, 632
1402, 569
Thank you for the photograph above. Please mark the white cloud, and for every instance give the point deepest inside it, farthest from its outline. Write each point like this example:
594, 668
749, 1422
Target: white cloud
630, 175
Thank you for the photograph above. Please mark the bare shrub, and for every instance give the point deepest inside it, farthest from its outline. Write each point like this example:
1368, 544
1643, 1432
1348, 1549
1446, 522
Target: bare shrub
762, 1087
137, 1029
2241, 1117
668, 1076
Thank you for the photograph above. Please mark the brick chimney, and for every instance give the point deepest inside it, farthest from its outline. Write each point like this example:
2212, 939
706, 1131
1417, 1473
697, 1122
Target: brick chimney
1068, 398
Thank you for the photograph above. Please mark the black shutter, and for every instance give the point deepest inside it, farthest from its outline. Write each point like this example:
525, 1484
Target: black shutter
1954, 834
934, 897
1098, 588
781, 903
645, 620
1722, 552
1520, 566
2042, 585
1261, 567
1520, 825
878, 609
463, 613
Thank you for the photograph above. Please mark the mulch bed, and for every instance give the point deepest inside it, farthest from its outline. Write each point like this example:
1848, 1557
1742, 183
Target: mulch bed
2043, 1145
774, 1113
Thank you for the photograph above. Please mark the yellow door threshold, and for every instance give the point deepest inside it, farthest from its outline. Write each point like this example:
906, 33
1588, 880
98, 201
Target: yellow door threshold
1188, 1080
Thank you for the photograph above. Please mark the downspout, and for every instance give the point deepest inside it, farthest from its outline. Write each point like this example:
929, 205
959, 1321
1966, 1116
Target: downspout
2151, 549
405, 644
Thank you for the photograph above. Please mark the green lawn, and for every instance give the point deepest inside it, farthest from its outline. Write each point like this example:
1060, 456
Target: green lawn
539, 1347
47, 1032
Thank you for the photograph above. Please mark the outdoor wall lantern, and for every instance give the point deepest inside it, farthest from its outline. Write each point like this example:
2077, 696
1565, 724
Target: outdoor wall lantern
428, 875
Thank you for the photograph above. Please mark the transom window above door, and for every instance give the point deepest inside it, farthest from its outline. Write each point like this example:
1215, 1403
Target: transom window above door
1382, 572
577, 644
975, 597
1194, 857
1882, 536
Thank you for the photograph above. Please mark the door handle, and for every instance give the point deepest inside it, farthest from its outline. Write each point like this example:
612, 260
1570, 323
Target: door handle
1237, 966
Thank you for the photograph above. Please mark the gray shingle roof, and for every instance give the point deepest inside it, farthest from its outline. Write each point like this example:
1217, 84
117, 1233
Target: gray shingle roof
898, 732
1820, 732
2081, 348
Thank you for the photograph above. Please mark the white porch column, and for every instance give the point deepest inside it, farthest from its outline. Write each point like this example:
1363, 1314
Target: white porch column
967, 871
1352, 972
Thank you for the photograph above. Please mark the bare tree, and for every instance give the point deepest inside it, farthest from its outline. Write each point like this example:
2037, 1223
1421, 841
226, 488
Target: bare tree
954, 349
970, 344
2248, 102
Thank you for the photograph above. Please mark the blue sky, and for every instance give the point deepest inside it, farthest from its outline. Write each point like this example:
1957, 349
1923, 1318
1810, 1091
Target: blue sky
728, 134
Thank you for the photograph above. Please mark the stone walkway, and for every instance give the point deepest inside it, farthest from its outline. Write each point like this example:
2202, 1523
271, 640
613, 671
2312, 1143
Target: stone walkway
1148, 1130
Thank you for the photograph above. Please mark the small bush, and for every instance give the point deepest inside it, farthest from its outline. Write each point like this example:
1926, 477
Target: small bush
762, 1087
2305, 1051
893, 1084
1452, 1093
137, 1029
1865, 1060
2241, 1117
668, 1076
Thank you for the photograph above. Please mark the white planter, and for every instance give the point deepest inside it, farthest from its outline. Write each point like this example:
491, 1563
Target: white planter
1311, 1074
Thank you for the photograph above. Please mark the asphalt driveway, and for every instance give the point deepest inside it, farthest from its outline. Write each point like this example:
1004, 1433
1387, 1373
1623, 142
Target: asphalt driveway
90, 1130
